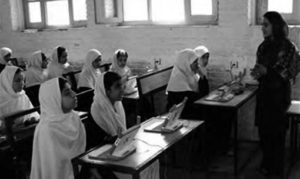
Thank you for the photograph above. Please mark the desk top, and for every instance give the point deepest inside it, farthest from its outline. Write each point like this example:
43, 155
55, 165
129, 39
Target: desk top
133, 96
236, 102
148, 147
294, 108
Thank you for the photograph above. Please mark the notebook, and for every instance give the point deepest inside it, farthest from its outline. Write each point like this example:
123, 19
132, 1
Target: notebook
171, 122
122, 147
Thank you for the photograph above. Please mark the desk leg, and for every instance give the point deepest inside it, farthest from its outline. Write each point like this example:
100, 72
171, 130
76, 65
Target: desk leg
136, 175
292, 139
235, 143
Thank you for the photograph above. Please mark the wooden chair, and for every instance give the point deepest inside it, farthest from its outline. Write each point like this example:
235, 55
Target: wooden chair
151, 87
33, 94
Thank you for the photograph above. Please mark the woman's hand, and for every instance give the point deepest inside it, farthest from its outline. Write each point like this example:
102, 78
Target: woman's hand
258, 71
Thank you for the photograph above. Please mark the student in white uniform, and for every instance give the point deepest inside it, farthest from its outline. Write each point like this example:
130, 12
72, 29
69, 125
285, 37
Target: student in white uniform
108, 113
119, 66
37, 71
5, 54
90, 71
60, 134
59, 62
13, 97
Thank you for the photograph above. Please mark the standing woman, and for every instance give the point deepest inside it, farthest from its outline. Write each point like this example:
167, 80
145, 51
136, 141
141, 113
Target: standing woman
37, 69
59, 63
90, 71
5, 54
275, 67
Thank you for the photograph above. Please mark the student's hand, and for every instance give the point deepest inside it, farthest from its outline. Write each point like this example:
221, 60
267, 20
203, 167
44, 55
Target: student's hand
258, 71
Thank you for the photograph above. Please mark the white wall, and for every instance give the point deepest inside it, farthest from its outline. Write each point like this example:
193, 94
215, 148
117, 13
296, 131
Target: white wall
232, 39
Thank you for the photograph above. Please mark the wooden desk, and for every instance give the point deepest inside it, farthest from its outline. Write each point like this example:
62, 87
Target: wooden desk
233, 106
149, 146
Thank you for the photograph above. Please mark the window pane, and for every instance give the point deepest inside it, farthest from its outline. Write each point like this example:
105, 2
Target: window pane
168, 11
135, 10
79, 10
282, 6
110, 8
201, 7
57, 13
34, 12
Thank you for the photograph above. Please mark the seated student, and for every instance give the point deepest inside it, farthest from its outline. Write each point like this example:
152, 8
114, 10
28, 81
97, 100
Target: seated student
60, 134
5, 54
108, 113
90, 71
59, 63
119, 66
184, 82
37, 69
13, 97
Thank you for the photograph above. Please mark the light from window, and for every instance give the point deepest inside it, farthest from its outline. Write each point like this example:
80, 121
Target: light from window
79, 9
168, 11
135, 10
110, 8
34, 12
57, 13
281, 6
201, 7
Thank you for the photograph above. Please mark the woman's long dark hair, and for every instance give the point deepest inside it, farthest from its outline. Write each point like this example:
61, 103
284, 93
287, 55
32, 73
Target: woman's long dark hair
279, 25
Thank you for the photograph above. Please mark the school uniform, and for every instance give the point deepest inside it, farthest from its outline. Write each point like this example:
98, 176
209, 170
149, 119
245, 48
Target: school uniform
56, 69
35, 74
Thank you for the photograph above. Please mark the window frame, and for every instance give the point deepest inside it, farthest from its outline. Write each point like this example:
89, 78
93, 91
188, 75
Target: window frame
189, 18
291, 18
43, 23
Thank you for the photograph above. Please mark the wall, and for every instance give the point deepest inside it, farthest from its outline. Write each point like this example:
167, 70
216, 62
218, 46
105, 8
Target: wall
232, 39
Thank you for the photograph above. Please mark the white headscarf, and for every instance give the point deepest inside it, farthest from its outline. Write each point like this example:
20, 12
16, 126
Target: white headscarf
58, 137
56, 69
35, 73
89, 74
107, 116
10, 101
3, 52
182, 77
200, 51
116, 68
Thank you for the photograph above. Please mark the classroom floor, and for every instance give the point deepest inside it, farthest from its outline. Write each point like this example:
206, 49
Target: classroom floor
222, 167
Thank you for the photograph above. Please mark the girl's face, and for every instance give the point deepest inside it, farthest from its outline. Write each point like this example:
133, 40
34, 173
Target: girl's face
18, 82
44, 62
204, 59
116, 91
68, 99
122, 60
266, 28
63, 58
7, 57
194, 65
97, 62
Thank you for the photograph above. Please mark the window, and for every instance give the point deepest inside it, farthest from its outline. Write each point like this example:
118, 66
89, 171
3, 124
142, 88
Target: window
41, 14
290, 10
156, 11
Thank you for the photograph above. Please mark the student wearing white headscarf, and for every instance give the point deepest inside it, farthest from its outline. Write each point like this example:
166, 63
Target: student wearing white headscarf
90, 70
59, 63
12, 95
108, 113
184, 81
5, 54
60, 134
37, 69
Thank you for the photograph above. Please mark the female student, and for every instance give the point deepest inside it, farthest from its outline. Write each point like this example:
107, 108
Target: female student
184, 81
13, 97
108, 113
90, 70
37, 69
274, 68
60, 135
120, 67
59, 63
5, 54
